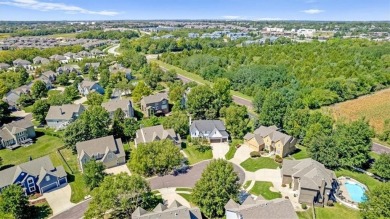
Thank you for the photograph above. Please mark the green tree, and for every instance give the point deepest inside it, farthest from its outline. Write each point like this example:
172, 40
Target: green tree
158, 157
201, 103
140, 90
14, 201
95, 99
63, 79
323, 149
221, 89
118, 123
104, 78
120, 195
25, 100
58, 99
218, 184
236, 120
40, 109
4, 111
382, 166
131, 126
38, 90
93, 173
385, 136
377, 204
258, 100
178, 121
92, 74
273, 110
71, 93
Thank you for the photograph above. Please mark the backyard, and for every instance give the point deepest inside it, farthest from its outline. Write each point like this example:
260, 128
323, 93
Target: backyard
195, 155
263, 189
254, 164
361, 177
300, 153
337, 211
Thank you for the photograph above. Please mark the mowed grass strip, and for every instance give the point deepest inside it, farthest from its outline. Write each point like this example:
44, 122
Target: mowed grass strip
374, 107
337, 211
195, 156
263, 188
254, 164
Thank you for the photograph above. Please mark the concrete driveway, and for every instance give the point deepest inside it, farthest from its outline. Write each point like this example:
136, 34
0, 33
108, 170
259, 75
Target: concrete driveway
19, 113
59, 199
81, 100
170, 195
241, 154
118, 169
219, 150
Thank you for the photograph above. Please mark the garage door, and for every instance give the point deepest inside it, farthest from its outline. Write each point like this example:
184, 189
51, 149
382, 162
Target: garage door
215, 140
49, 187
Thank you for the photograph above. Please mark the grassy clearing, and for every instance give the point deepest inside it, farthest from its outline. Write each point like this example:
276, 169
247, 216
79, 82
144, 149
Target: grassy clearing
374, 107
44, 145
263, 189
253, 164
196, 78
53, 92
4, 35
63, 35
301, 153
183, 189
195, 156
337, 211
246, 184
28, 109
305, 214
367, 180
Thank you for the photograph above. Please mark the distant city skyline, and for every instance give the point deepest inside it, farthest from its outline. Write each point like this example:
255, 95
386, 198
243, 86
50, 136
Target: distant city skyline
316, 10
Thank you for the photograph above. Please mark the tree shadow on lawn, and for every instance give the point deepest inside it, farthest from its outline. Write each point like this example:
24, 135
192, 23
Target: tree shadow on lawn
40, 211
6, 166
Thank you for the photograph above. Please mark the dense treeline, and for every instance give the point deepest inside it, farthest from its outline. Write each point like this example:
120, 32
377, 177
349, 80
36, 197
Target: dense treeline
107, 35
8, 56
148, 45
318, 73
44, 31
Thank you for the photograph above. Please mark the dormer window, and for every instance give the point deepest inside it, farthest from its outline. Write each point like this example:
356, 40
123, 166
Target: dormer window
47, 178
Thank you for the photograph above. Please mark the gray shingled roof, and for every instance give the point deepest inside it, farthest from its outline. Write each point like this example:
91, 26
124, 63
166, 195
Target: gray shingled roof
310, 172
34, 167
149, 134
273, 133
87, 84
154, 98
64, 112
251, 209
113, 105
175, 210
208, 125
100, 145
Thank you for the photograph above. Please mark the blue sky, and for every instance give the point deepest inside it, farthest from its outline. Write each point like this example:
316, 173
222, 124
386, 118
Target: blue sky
195, 9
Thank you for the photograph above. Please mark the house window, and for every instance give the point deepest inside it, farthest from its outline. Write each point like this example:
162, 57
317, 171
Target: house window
30, 180
32, 188
47, 178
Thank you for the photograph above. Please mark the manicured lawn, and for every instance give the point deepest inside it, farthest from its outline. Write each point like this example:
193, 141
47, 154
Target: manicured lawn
187, 197
305, 214
246, 184
262, 188
253, 164
53, 92
28, 109
337, 211
183, 190
195, 156
230, 154
301, 153
361, 177
44, 145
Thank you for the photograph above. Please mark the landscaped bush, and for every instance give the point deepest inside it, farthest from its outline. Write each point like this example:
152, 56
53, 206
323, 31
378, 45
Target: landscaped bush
304, 206
278, 159
189, 139
254, 154
330, 203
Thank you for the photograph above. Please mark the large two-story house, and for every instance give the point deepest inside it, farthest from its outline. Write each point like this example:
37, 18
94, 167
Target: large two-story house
175, 210
155, 104
34, 176
59, 117
107, 150
310, 179
125, 105
86, 87
17, 133
211, 130
269, 138
155, 133
13, 96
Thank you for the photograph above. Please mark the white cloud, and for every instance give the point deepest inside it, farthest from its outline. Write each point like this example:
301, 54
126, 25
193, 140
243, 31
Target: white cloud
48, 6
231, 17
313, 11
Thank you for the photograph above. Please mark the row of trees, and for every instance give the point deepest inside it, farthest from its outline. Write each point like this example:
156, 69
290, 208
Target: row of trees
107, 35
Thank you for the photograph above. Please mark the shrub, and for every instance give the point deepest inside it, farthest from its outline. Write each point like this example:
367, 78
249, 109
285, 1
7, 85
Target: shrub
330, 203
283, 185
189, 139
304, 206
202, 148
278, 159
254, 154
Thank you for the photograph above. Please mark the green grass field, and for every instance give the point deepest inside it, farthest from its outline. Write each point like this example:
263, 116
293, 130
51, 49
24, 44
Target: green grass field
301, 153
183, 189
253, 164
246, 184
263, 189
195, 156
337, 211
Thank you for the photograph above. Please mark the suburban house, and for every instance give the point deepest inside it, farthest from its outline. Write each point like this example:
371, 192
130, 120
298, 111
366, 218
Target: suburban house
59, 58
17, 133
124, 105
51, 75
13, 96
155, 104
84, 54
69, 69
311, 180
4, 66
175, 210
69, 55
94, 65
155, 133
107, 150
38, 175
59, 117
96, 52
251, 209
22, 63
211, 130
39, 60
269, 138
86, 87
115, 68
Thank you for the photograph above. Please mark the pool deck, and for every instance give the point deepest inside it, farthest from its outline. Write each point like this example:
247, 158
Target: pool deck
348, 200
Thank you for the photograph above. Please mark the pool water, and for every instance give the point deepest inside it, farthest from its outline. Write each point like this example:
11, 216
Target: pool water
355, 191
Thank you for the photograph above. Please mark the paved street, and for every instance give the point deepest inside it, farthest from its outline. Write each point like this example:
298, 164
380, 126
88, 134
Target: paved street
112, 50
75, 212
380, 149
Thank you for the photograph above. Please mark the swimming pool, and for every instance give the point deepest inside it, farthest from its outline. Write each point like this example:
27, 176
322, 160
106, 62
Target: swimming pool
355, 191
